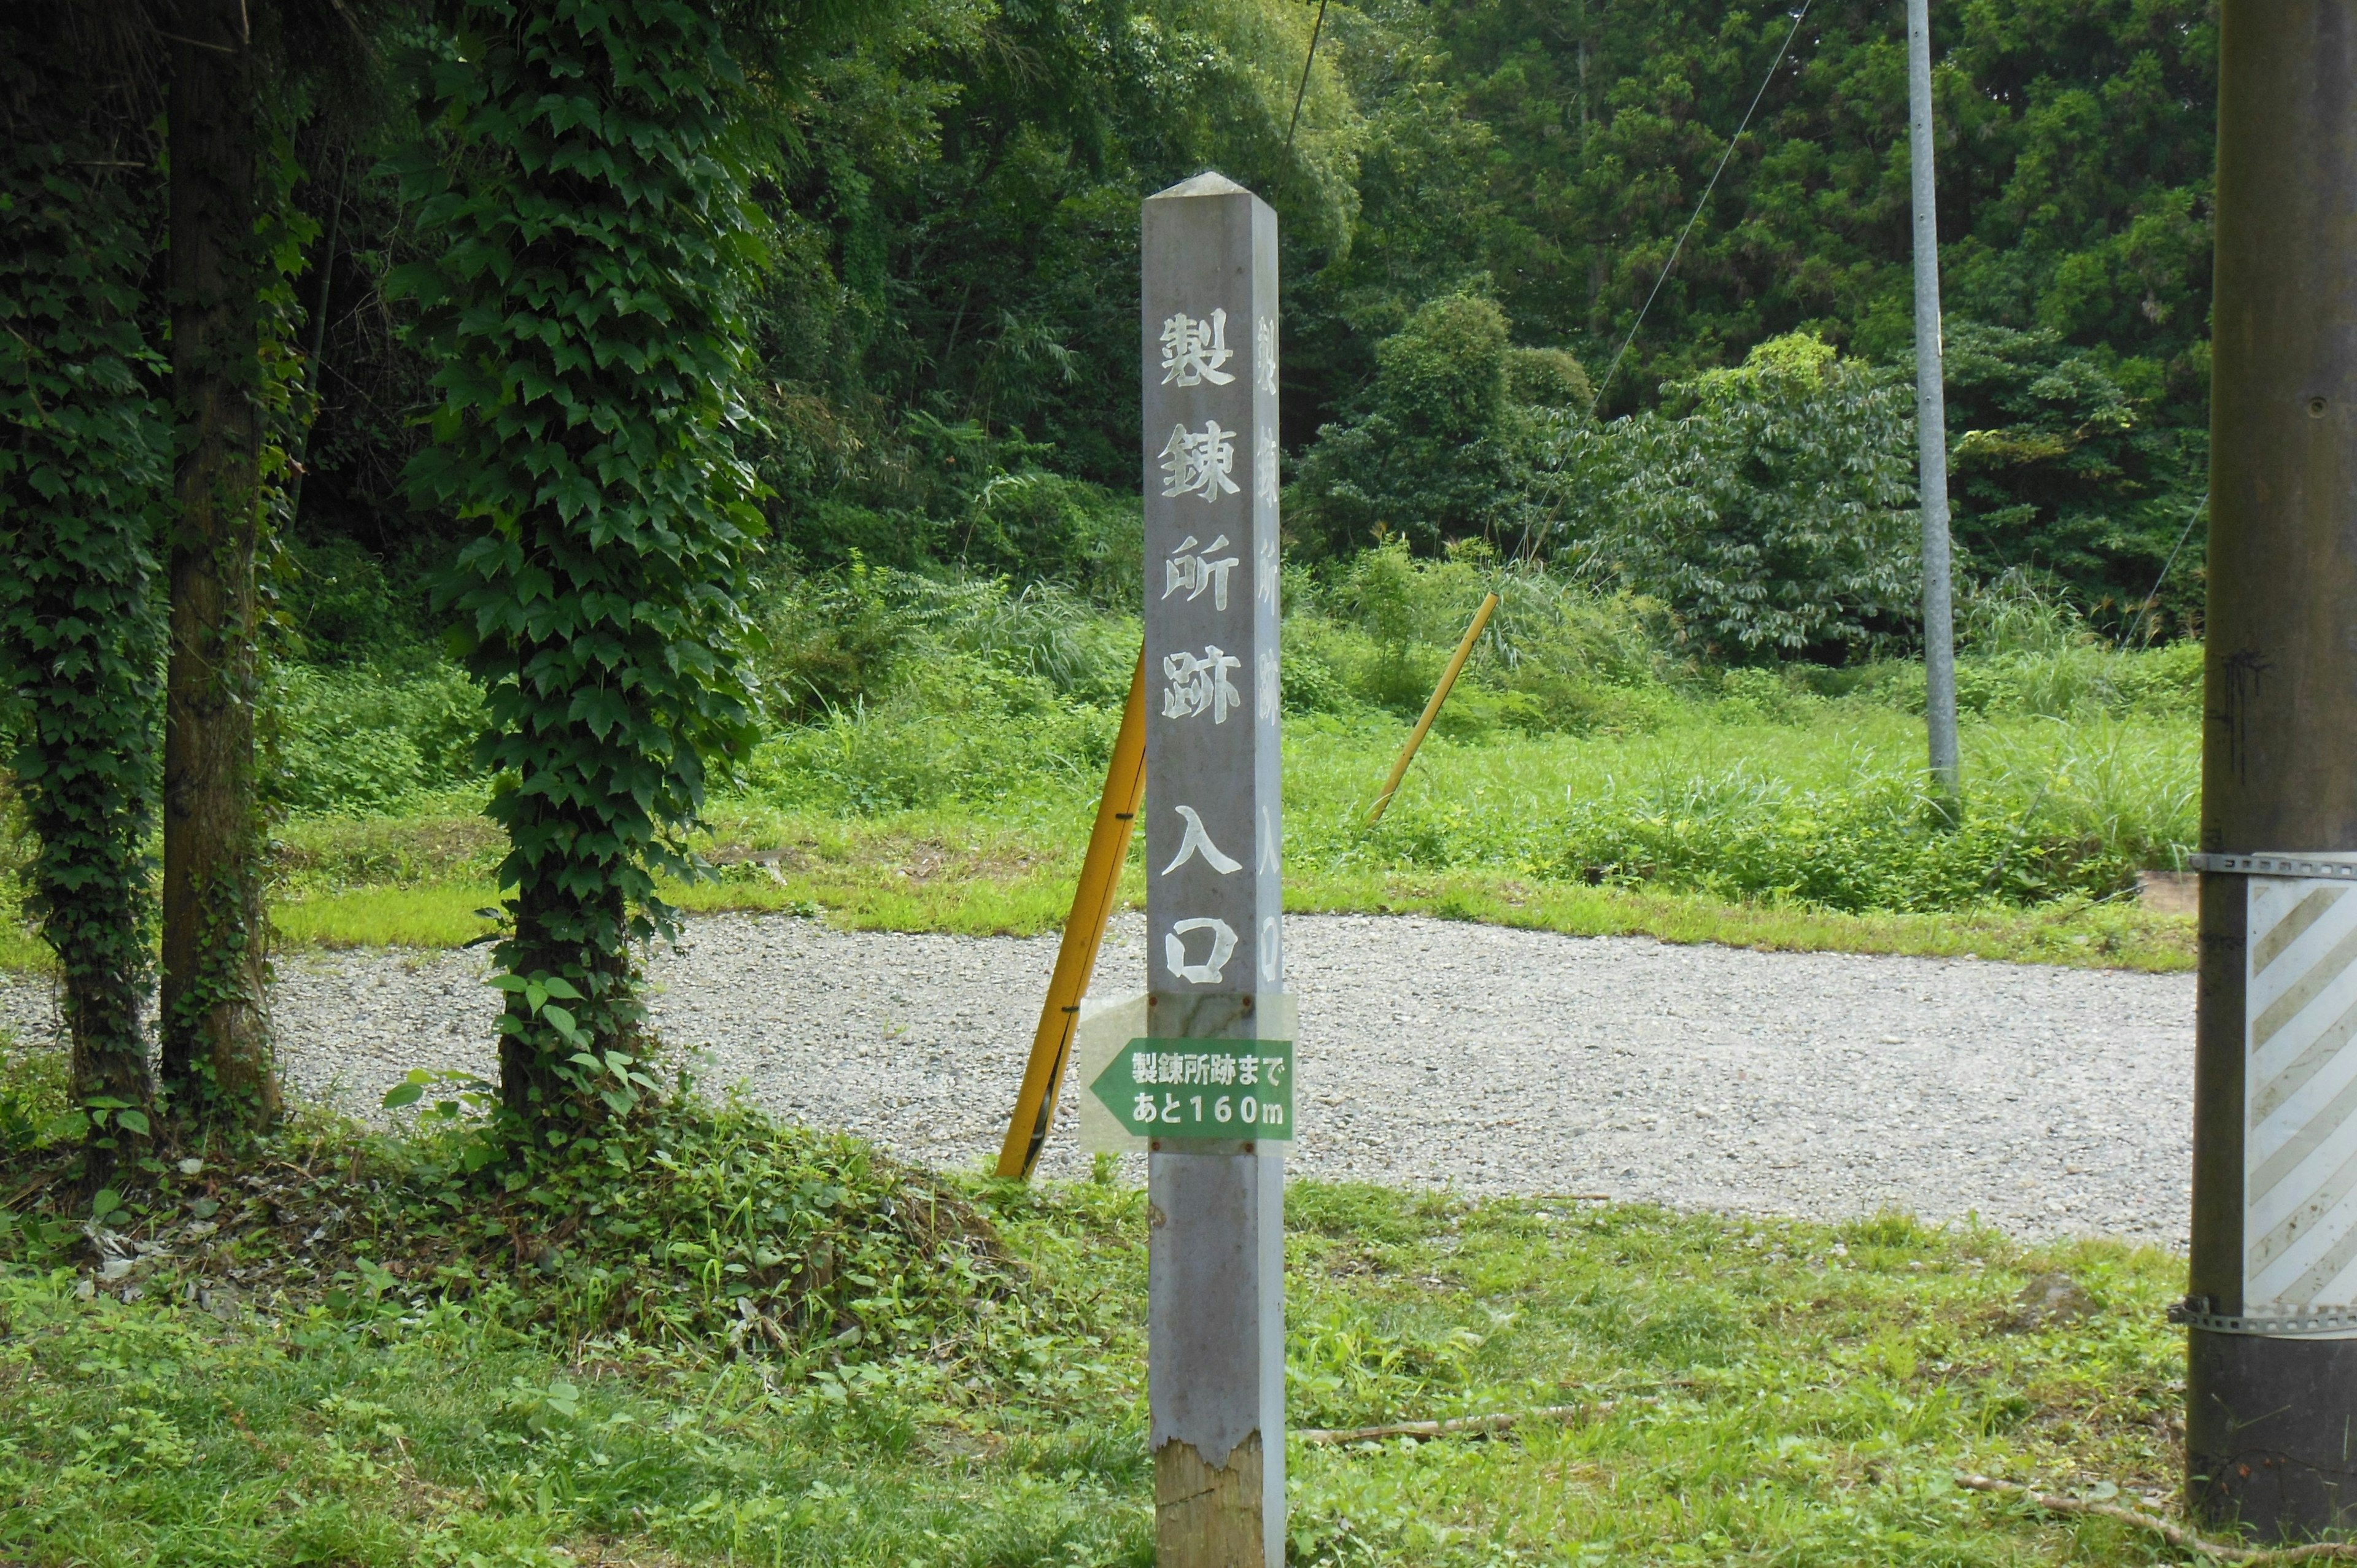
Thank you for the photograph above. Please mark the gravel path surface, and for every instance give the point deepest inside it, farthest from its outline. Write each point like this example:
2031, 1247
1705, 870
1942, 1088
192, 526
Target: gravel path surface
2047, 1100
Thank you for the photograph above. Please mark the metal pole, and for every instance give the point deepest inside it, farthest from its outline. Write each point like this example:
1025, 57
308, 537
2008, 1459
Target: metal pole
1215, 1357
1085, 929
1931, 416
2271, 1377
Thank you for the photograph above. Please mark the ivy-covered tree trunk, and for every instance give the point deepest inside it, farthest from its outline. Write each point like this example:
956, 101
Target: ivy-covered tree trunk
82, 478
588, 206
216, 1054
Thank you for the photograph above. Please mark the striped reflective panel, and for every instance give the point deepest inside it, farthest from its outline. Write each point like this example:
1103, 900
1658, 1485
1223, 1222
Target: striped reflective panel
2299, 1131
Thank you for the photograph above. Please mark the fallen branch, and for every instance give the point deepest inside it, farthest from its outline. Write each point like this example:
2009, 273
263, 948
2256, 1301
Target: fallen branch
1463, 1424
2175, 1534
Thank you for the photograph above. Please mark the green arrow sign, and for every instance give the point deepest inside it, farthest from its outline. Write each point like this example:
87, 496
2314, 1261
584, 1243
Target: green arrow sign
1224, 1090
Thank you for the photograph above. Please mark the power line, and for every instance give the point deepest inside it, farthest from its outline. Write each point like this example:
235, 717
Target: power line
1798, 18
1299, 93
2152, 598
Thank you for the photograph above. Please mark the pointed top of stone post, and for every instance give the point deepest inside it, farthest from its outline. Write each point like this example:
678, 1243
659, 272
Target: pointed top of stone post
1210, 182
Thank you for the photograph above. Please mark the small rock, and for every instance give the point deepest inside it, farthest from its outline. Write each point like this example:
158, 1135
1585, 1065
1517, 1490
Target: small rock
2050, 1300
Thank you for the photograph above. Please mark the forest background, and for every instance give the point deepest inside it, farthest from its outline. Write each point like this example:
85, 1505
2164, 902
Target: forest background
947, 335
1478, 200
1523, 352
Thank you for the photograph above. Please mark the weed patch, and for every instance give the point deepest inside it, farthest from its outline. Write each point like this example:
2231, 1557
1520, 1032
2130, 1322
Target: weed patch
1716, 1389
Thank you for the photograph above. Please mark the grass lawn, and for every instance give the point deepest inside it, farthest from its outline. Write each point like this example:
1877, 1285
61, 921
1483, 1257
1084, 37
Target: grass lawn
420, 882
1745, 1390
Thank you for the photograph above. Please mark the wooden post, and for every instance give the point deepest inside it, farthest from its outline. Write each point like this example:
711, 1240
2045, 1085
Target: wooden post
2271, 1307
1215, 1365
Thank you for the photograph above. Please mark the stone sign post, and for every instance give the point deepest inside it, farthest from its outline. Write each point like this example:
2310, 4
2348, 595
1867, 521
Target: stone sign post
1215, 938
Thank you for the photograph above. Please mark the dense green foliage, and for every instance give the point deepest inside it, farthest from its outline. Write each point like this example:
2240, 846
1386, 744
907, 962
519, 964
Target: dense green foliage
594, 239
1438, 447
1769, 505
82, 480
1553, 153
944, 347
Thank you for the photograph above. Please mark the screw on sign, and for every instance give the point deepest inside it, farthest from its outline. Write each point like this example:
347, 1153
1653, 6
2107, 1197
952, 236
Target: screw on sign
1206, 1082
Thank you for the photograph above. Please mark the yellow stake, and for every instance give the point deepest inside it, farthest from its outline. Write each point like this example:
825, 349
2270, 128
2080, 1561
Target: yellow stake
1432, 708
1076, 959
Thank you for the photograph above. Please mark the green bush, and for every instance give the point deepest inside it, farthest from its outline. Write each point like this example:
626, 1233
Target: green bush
960, 730
844, 639
1437, 449
1767, 504
1375, 632
1879, 845
340, 605
365, 740
1043, 526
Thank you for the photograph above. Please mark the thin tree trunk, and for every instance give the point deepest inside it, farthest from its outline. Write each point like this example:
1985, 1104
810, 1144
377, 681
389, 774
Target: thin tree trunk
556, 930
216, 1056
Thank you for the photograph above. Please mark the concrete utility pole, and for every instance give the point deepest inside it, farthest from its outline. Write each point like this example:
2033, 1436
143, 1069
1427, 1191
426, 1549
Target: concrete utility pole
1931, 415
1215, 1362
2271, 1383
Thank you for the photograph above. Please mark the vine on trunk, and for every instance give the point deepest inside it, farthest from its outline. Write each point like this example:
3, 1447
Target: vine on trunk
585, 202
82, 487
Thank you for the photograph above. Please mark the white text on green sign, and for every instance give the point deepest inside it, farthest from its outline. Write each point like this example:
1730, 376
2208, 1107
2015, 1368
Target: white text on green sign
1201, 1089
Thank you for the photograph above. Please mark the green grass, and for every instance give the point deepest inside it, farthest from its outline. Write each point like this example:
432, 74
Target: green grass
937, 745
1710, 832
1751, 1390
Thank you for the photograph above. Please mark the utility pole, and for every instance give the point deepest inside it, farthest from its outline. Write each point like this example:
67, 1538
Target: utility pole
1212, 1089
2271, 1308
1931, 418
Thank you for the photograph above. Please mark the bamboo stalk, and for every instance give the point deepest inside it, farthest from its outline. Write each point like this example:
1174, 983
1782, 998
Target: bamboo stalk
1076, 958
1432, 709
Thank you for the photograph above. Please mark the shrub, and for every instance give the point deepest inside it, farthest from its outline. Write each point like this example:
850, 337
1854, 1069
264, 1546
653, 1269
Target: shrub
1434, 452
1766, 505
366, 739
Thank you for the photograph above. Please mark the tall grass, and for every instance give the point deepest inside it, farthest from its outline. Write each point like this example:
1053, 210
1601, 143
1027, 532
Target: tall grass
1586, 744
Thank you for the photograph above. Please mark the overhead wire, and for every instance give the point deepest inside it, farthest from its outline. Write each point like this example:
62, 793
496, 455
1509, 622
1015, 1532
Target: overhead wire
1531, 534
1724, 158
2153, 598
1302, 92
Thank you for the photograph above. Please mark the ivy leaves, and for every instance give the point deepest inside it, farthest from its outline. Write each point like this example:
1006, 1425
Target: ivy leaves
585, 202
82, 482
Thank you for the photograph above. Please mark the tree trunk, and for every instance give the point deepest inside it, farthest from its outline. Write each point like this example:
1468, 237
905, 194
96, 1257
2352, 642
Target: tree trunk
558, 932
216, 1056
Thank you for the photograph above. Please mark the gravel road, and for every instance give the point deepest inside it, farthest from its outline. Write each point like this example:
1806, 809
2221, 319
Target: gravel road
2045, 1101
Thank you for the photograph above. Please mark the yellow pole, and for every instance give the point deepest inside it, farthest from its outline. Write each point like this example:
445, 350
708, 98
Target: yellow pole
1076, 959
1432, 709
